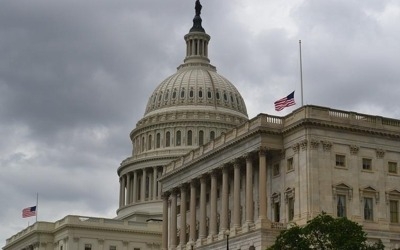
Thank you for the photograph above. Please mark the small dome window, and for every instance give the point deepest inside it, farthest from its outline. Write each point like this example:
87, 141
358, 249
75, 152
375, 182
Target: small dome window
217, 94
174, 94
231, 97
225, 97
209, 94
190, 93
183, 93
159, 97
166, 95
200, 93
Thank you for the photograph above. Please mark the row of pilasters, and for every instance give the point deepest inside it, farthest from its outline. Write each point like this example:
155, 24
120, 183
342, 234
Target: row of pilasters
134, 187
198, 233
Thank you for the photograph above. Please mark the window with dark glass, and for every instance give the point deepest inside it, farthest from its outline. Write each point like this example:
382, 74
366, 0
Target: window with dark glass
200, 94
182, 93
394, 211
191, 94
366, 164
167, 139
201, 137
212, 135
149, 143
289, 165
291, 208
392, 167
189, 138
178, 138
209, 95
158, 140
143, 144
368, 209
340, 161
341, 206
88, 246
277, 212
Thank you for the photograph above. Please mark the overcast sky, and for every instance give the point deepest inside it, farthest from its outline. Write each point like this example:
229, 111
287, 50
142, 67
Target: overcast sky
75, 77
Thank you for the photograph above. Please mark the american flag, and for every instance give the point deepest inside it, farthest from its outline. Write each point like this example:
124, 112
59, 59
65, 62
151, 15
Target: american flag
28, 212
285, 102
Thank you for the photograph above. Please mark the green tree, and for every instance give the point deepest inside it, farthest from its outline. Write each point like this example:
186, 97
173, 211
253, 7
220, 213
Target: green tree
325, 233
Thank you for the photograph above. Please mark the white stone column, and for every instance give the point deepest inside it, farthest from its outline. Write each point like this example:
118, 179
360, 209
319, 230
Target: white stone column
249, 191
120, 192
165, 197
213, 205
154, 183
224, 201
128, 189
203, 211
183, 215
236, 194
262, 185
123, 189
135, 183
173, 217
193, 210
144, 177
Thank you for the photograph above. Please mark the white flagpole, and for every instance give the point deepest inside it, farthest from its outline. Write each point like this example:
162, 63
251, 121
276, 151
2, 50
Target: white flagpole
37, 205
301, 75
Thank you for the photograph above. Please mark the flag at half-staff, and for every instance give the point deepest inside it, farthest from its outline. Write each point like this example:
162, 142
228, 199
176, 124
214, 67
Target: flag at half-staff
285, 102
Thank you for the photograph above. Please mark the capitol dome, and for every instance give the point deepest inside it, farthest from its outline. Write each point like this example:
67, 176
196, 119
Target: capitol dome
188, 110
196, 87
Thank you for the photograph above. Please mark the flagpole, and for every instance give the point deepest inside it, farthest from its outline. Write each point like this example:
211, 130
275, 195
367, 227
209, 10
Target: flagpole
301, 75
37, 205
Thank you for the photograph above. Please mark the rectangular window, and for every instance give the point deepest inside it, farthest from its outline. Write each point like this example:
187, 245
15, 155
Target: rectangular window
366, 164
368, 209
291, 208
277, 212
394, 211
392, 167
340, 161
341, 206
276, 169
289, 164
88, 247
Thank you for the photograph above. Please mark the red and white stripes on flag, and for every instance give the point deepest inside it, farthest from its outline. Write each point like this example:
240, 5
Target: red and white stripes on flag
285, 102
28, 212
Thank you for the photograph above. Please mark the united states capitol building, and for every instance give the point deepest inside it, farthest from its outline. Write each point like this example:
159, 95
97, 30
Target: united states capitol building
203, 175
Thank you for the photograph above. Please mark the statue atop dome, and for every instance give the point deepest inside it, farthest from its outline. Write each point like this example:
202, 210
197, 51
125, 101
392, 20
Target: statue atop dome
198, 8
197, 19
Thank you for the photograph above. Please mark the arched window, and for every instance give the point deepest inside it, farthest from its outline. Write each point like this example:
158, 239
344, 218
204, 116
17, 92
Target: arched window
189, 138
217, 94
212, 135
209, 95
167, 139
143, 144
200, 93
191, 93
158, 140
178, 138
201, 137
149, 143
183, 93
